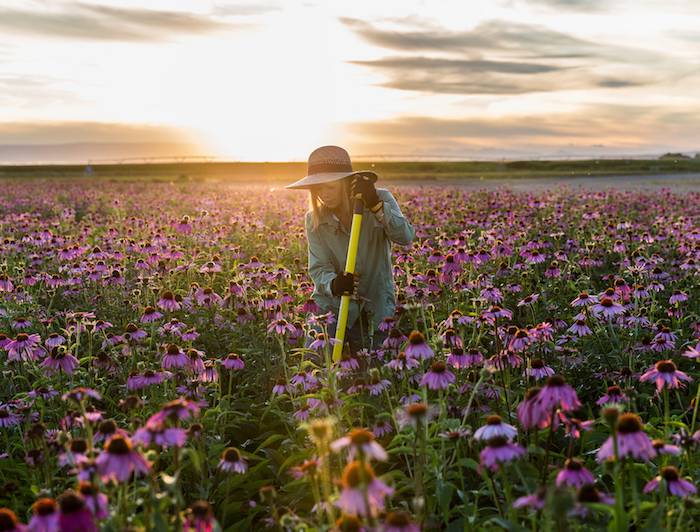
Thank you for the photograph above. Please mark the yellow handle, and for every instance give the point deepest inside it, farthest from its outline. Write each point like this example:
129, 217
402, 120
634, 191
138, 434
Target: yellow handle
345, 300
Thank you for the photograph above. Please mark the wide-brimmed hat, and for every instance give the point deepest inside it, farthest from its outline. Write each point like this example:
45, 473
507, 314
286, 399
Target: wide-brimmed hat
327, 163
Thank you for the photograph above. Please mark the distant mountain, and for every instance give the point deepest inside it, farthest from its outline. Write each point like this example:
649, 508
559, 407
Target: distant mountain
82, 152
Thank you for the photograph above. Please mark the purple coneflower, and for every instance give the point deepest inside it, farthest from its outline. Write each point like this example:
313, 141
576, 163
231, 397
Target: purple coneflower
438, 377
584, 299
675, 484
557, 394
361, 440
200, 518
24, 347
574, 474
528, 300
613, 395
579, 327
382, 428
495, 427
75, 515
678, 297
54, 339
400, 521
589, 494
415, 413
608, 308
665, 374
157, 434
147, 378
174, 357
458, 359
8, 418
9, 521
417, 346
60, 359
232, 461
401, 362
499, 451
45, 516
281, 327
358, 478
662, 448
150, 314
535, 500
233, 362
168, 302
530, 414
96, 502
119, 460
631, 441
539, 370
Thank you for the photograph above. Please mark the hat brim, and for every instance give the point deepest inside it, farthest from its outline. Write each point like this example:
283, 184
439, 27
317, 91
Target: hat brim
327, 177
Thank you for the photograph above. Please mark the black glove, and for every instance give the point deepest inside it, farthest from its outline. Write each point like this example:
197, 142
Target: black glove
364, 186
343, 283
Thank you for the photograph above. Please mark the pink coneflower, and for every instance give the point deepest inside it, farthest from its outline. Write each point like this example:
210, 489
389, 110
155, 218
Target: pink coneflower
280, 387
8, 418
613, 395
458, 359
631, 441
415, 413
233, 362
584, 299
190, 335
692, 352
417, 346
377, 385
608, 308
147, 378
134, 332
200, 518
678, 297
539, 370
177, 410
45, 516
499, 451
358, 478
81, 393
574, 474
174, 357
321, 341
557, 394
528, 300
497, 311
6, 283
438, 377
663, 448
535, 500
21, 323
119, 460
306, 380
400, 521
157, 434
382, 428
360, 440
281, 327
195, 360
521, 339
394, 340
232, 461
495, 427
96, 502
75, 515
9, 521
75, 453
588, 494
579, 327
401, 362
24, 347
675, 484
664, 373
168, 302
530, 413
150, 314
60, 359
54, 340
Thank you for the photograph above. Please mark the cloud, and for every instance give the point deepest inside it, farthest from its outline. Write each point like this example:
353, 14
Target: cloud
618, 127
19, 91
492, 36
502, 57
106, 23
578, 5
71, 132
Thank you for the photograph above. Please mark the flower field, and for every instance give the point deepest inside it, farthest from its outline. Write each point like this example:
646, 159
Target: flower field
540, 372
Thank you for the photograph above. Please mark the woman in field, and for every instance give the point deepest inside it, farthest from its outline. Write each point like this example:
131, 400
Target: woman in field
332, 185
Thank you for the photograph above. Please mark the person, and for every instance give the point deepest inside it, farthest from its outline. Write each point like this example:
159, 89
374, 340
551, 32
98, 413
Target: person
332, 185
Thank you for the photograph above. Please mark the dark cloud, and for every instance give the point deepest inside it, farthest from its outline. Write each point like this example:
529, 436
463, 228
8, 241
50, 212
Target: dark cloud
105, 23
491, 36
499, 57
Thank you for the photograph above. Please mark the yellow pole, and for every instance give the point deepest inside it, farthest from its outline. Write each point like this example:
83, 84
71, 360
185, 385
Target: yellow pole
349, 268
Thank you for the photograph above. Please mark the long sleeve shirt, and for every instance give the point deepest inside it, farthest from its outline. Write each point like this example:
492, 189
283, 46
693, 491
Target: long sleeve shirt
328, 247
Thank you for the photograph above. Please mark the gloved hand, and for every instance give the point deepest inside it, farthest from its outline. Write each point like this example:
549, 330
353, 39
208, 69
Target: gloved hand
364, 186
344, 283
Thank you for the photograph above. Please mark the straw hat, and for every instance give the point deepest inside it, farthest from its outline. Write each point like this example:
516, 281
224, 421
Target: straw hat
327, 163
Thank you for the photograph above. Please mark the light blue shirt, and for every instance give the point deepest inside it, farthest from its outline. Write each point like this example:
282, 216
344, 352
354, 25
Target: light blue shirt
328, 248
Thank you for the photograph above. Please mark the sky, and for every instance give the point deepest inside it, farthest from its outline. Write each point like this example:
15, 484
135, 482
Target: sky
271, 80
